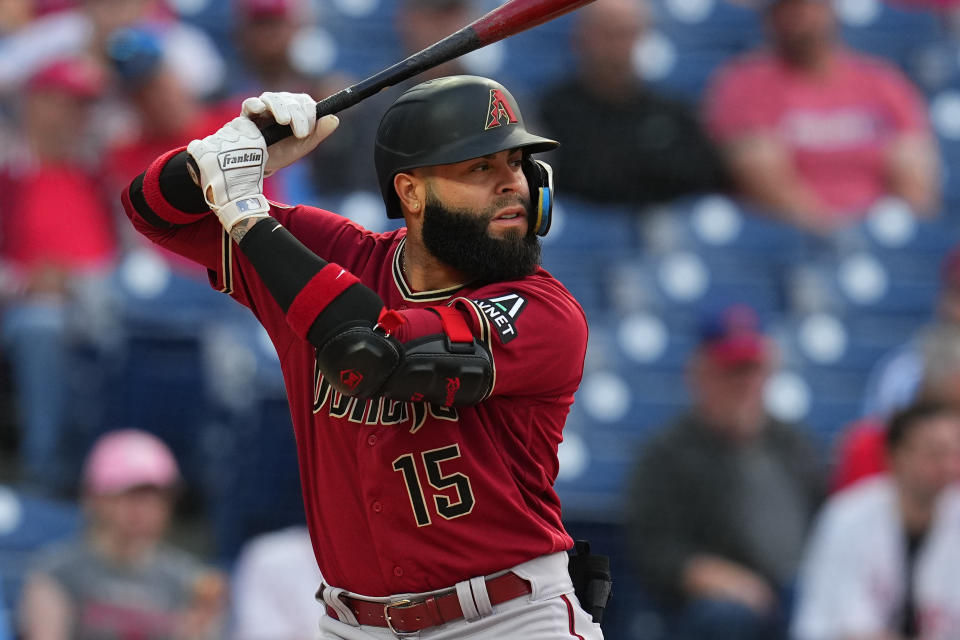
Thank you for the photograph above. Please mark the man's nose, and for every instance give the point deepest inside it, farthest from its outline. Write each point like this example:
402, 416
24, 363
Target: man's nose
511, 180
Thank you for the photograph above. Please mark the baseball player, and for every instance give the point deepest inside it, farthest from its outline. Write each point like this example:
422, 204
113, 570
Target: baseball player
429, 369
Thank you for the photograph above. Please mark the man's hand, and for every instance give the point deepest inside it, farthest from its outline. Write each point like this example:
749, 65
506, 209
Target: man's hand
299, 111
231, 163
713, 577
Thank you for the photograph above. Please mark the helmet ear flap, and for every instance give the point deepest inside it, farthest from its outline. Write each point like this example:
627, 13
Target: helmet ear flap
540, 179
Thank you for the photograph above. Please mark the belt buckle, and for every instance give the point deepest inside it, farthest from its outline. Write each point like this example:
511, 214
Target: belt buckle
386, 614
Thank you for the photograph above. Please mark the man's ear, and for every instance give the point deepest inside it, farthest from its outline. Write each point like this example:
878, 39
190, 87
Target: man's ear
410, 192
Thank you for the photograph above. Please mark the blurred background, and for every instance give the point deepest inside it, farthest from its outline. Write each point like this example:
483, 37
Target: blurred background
791, 157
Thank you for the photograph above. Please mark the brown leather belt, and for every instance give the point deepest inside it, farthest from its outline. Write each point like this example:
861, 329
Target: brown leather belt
407, 616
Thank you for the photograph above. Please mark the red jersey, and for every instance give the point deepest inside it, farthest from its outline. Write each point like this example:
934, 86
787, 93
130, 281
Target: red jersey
408, 496
33, 229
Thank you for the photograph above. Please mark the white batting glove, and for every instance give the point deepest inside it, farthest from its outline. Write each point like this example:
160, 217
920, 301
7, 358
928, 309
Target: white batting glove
299, 111
231, 163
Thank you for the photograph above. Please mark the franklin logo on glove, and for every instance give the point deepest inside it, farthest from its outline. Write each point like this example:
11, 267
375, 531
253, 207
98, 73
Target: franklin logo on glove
238, 158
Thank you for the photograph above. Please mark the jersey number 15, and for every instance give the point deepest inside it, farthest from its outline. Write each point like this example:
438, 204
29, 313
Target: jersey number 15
446, 507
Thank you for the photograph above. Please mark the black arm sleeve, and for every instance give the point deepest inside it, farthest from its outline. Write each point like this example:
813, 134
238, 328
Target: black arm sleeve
285, 266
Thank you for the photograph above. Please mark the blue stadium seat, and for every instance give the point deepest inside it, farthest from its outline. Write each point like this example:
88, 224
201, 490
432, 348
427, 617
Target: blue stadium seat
724, 283
827, 419
631, 614
690, 73
153, 295
709, 24
605, 429
157, 383
731, 230
579, 272
581, 225
537, 58
253, 477
28, 523
645, 339
881, 332
894, 32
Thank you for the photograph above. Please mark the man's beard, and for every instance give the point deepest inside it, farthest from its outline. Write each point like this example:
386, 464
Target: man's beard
459, 238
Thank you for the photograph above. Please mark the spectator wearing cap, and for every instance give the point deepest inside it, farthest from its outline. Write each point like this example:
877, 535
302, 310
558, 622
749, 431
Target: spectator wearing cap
264, 33
120, 580
420, 23
814, 132
85, 28
721, 497
654, 147
883, 558
58, 243
167, 114
416, 25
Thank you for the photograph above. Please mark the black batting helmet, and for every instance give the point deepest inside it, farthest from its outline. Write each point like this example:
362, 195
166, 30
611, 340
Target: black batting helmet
453, 119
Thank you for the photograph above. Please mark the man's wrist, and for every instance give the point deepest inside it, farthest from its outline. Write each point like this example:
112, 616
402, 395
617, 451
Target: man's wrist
234, 212
240, 229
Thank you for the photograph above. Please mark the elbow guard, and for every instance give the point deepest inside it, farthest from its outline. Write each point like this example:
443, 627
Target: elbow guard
366, 363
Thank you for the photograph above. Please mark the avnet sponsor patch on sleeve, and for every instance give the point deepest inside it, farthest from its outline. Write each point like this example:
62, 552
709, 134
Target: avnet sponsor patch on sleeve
503, 311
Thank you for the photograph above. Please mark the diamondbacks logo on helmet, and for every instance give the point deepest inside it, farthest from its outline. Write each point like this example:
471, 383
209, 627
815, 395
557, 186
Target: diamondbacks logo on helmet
498, 109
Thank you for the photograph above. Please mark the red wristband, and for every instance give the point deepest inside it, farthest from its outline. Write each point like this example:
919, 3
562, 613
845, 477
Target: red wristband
319, 292
155, 200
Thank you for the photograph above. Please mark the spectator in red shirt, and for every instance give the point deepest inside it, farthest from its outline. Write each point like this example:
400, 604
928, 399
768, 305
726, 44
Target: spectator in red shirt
168, 114
58, 243
815, 132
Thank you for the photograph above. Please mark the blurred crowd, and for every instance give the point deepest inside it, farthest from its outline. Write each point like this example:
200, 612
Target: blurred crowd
736, 523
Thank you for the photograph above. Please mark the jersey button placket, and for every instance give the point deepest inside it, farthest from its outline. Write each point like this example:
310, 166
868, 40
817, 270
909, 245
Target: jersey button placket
376, 506
371, 439
397, 571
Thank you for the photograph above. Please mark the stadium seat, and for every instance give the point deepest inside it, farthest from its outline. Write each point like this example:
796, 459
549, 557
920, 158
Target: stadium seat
158, 384
631, 614
253, 478
152, 293
888, 30
709, 24
28, 523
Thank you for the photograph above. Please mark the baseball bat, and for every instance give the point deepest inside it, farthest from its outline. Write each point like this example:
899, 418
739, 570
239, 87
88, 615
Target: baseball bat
506, 20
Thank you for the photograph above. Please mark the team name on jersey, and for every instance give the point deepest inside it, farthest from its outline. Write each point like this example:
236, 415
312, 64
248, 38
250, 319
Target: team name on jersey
376, 411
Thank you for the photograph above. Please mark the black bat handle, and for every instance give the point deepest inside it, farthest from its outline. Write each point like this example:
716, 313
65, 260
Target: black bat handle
274, 132
454, 45
331, 104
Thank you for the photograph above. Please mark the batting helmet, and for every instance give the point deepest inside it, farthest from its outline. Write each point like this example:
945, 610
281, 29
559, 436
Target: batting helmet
453, 119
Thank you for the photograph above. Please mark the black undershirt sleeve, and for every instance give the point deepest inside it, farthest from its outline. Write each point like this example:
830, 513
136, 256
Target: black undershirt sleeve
285, 266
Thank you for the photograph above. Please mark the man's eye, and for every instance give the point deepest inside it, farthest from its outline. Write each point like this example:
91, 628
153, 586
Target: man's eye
480, 167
